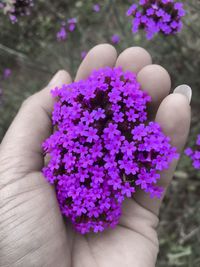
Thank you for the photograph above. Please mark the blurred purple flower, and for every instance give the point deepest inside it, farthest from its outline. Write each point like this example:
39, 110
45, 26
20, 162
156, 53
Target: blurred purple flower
115, 39
194, 154
96, 8
61, 34
156, 16
13, 18
72, 24
6, 73
101, 148
83, 54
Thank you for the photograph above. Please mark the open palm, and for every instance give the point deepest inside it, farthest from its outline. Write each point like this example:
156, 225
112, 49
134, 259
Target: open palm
32, 230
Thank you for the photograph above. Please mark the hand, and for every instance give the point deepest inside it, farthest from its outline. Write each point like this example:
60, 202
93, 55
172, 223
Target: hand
32, 231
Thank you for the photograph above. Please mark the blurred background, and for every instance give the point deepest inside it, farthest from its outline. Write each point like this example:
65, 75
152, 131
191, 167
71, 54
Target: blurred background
31, 52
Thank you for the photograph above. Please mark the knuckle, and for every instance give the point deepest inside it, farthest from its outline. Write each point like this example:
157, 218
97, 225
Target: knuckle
29, 102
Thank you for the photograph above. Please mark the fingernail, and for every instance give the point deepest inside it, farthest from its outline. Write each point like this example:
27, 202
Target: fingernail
185, 90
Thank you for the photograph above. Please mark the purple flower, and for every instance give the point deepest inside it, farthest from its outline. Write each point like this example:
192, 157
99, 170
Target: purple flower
6, 73
100, 151
87, 117
13, 18
128, 190
111, 130
188, 151
131, 10
131, 115
61, 34
118, 117
96, 8
91, 135
72, 24
99, 114
194, 154
128, 148
65, 29
115, 39
156, 16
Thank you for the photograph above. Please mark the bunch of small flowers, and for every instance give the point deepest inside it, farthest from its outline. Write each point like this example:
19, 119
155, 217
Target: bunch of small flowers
65, 28
16, 8
103, 148
156, 16
194, 154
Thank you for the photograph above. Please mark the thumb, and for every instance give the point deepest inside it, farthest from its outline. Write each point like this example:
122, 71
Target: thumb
20, 149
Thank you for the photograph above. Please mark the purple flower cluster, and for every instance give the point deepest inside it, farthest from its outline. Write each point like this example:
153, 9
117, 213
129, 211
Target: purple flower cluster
65, 28
16, 8
156, 16
194, 154
103, 148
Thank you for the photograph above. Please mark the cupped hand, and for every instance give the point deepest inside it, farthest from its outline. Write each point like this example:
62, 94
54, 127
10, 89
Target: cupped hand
32, 230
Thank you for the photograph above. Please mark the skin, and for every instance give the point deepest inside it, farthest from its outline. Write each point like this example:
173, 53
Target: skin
32, 230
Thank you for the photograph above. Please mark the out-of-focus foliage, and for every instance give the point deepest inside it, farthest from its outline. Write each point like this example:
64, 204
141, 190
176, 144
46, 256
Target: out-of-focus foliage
31, 50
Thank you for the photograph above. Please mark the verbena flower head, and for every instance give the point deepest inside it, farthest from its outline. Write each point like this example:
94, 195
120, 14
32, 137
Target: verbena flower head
115, 38
194, 154
16, 8
103, 148
157, 16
